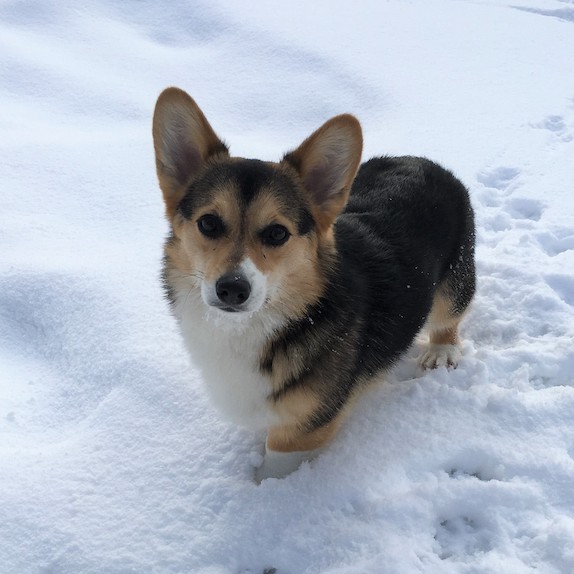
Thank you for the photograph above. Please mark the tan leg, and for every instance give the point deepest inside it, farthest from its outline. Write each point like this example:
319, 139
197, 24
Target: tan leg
288, 446
443, 350
448, 336
292, 438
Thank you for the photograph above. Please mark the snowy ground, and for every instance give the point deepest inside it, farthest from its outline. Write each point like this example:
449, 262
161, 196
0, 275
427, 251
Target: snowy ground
111, 459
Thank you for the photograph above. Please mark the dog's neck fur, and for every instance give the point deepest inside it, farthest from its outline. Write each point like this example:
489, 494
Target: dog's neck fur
228, 354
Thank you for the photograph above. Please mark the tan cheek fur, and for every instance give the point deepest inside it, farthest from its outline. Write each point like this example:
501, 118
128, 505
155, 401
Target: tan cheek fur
293, 270
206, 258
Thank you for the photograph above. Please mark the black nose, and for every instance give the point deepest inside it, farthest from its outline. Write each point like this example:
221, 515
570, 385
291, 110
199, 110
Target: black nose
233, 289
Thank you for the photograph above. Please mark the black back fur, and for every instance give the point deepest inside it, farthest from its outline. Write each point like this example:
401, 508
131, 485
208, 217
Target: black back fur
407, 229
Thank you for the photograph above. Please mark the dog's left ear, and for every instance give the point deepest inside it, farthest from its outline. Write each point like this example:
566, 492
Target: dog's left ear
183, 141
327, 162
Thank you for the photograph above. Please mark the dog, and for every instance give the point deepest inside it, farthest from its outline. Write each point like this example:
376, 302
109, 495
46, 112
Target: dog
298, 284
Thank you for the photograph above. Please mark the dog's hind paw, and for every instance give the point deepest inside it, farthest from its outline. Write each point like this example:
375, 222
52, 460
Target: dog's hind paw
441, 356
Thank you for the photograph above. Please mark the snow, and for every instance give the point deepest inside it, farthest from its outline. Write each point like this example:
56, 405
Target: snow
112, 459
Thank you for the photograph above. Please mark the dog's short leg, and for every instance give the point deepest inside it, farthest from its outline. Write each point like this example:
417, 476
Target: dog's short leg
287, 447
442, 323
443, 350
451, 300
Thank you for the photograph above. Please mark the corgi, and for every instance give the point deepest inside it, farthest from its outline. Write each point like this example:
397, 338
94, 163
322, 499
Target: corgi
298, 284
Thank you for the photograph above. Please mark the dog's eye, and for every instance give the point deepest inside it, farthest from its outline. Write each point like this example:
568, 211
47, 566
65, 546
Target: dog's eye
274, 235
211, 226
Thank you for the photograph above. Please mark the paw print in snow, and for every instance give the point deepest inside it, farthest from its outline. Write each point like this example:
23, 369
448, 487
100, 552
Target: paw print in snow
498, 178
461, 536
524, 208
557, 125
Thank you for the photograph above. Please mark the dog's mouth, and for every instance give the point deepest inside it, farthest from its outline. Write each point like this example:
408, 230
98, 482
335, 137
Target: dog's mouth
229, 317
225, 309
228, 308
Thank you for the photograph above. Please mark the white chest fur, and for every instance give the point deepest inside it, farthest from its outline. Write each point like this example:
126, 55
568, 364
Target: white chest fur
227, 349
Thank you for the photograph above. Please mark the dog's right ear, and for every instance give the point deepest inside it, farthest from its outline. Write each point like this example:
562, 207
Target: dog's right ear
327, 162
183, 141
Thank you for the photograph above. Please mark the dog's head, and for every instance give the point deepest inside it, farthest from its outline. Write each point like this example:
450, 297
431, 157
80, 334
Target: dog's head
251, 234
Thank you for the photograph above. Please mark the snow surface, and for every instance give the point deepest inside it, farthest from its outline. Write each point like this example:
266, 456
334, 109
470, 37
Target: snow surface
111, 458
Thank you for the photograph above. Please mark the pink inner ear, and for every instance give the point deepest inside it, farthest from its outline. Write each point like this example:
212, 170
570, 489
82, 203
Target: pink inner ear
320, 181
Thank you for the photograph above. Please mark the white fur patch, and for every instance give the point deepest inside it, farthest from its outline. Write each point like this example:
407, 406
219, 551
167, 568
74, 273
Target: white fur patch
227, 346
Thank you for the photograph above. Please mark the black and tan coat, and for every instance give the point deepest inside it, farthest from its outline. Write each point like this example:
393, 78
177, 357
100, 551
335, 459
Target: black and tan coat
298, 283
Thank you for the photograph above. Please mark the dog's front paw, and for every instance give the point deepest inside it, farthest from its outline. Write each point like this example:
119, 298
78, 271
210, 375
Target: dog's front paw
441, 356
279, 464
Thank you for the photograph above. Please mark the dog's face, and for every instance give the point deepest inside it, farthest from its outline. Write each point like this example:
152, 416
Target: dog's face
251, 235
247, 235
